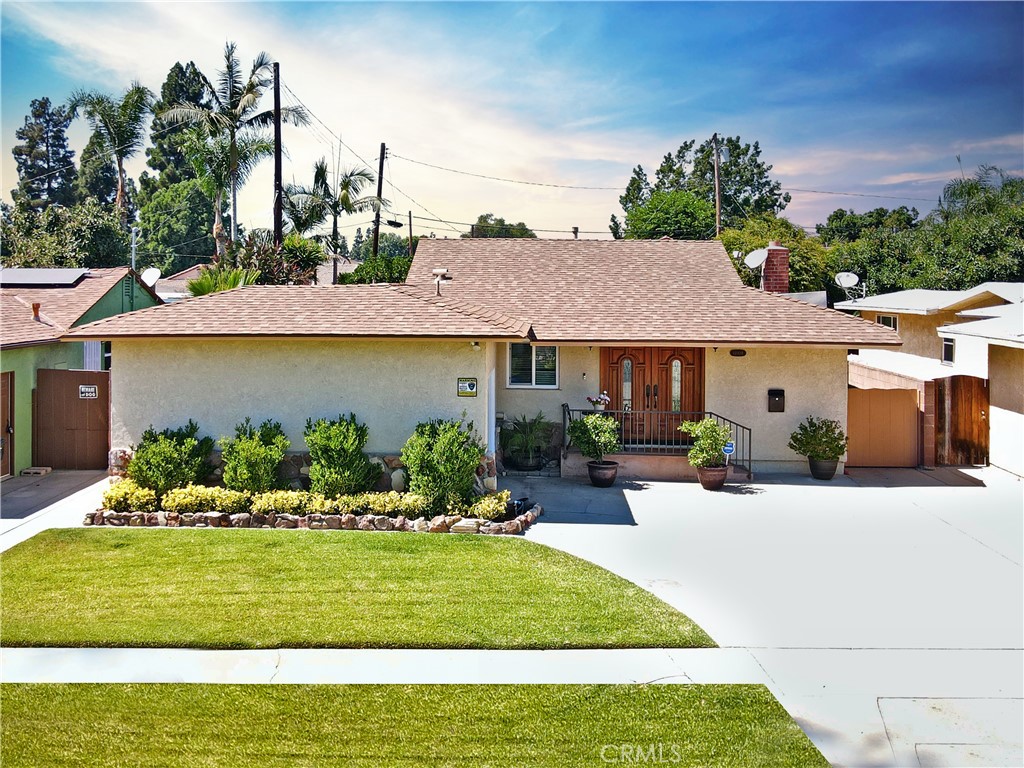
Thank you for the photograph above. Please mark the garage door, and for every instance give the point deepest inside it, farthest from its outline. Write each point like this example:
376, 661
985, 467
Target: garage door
71, 419
883, 428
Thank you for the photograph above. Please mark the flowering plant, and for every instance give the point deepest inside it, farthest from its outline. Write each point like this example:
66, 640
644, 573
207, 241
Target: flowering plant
600, 399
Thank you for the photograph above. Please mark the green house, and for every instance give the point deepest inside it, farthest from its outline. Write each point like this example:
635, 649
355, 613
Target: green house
38, 306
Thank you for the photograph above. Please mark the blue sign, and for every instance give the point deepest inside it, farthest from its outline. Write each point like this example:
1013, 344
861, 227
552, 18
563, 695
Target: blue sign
730, 448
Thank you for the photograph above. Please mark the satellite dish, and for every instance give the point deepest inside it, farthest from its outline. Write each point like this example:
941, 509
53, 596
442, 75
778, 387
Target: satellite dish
150, 276
756, 258
847, 279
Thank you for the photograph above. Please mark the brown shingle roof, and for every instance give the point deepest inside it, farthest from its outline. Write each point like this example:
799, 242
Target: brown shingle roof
632, 291
60, 309
397, 311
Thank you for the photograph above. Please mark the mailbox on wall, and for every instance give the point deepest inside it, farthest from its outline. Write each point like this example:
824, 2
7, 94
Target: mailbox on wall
776, 400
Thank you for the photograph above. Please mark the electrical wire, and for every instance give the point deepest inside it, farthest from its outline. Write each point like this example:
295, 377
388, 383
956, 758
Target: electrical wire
510, 181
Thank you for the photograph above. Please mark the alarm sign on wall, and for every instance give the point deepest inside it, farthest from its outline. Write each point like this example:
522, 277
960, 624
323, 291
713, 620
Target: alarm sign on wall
467, 387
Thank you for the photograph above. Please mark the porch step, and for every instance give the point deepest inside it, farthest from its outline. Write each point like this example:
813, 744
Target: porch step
37, 471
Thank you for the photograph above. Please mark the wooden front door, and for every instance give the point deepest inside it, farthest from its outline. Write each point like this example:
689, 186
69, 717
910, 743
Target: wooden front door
6, 423
655, 387
961, 428
71, 419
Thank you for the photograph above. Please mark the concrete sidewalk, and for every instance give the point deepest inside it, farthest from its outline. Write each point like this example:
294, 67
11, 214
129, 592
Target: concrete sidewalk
58, 500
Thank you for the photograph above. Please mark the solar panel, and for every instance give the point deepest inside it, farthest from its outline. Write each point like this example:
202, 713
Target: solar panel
58, 278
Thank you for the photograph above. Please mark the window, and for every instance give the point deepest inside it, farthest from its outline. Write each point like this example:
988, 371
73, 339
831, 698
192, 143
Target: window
948, 351
530, 366
107, 356
889, 321
627, 384
677, 386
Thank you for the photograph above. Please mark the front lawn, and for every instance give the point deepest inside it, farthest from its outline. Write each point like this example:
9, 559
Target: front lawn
236, 588
732, 726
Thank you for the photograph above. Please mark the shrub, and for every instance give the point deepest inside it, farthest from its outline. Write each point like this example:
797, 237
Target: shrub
819, 439
170, 459
128, 496
490, 507
441, 458
251, 459
524, 440
595, 435
203, 498
338, 464
290, 503
709, 438
391, 503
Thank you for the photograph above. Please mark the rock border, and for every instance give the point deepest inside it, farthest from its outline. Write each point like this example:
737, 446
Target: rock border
315, 522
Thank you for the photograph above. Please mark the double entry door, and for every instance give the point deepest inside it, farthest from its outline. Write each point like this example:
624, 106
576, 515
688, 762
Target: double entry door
656, 388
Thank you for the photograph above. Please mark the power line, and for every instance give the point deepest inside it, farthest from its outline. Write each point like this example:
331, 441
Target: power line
510, 181
856, 194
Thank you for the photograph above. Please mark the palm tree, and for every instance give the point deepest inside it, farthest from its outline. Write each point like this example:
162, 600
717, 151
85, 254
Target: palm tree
343, 196
302, 209
210, 158
120, 122
232, 113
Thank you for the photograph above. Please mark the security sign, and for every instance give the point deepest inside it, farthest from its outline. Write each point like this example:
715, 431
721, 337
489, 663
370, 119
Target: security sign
730, 448
88, 392
467, 387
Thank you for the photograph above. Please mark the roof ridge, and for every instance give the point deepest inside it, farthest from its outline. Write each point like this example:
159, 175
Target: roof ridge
476, 311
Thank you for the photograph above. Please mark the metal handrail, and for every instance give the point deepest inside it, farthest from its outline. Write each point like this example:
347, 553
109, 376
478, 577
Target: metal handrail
656, 432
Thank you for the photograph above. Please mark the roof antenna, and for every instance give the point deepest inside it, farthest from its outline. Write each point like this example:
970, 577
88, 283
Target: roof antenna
756, 260
440, 276
848, 282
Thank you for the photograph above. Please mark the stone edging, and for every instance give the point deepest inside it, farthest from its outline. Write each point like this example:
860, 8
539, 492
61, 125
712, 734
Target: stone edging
350, 522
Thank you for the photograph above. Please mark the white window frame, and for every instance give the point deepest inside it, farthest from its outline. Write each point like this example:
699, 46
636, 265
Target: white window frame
894, 324
952, 347
533, 368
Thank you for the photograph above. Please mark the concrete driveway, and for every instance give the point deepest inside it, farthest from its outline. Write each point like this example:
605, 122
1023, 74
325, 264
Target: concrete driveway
887, 608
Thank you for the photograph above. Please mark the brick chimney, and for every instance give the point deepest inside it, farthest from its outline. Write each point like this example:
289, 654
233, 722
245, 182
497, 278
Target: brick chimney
776, 268
35, 310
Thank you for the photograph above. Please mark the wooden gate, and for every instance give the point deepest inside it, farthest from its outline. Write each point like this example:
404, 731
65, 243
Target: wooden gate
6, 423
883, 426
71, 419
961, 420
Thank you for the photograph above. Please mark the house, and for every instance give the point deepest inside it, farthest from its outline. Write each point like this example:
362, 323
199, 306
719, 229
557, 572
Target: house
39, 306
948, 374
490, 326
1002, 332
175, 287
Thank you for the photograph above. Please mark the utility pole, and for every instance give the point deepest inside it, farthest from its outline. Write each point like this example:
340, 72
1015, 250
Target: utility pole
410, 234
718, 190
575, 233
380, 193
278, 189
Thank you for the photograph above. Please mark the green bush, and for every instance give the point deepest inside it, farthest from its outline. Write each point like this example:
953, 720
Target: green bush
392, 504
170, 459
338, 465
204, 498
819, 439
595, 435
127, 496
709, 438
490, 507
252, 458
290, 503
441, 458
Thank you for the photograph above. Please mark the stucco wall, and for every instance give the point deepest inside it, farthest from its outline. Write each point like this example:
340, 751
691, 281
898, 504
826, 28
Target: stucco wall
815, 381
573, 362
1006, 405
24, 363
390, 386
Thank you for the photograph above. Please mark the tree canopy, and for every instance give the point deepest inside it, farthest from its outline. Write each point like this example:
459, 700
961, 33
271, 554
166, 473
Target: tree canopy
176, 224
83, 235
46, 168
489, 225
678, 214
183, 85
808, 263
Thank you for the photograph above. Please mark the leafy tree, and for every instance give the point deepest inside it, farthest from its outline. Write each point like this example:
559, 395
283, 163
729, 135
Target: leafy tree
390, 246
678, 214
357, 244
294, 263
382, 269
184, 85
85, 235
488, 225
121, 122
97, 175
845, 226
233, 112
46, 169
747, 189
808, 264
176, 221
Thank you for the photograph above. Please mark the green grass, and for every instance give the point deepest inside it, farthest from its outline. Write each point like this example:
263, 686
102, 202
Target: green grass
336, 589
732, 726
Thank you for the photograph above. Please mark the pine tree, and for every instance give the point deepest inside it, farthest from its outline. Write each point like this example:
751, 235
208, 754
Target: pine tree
184, 85
97, 176
46, 169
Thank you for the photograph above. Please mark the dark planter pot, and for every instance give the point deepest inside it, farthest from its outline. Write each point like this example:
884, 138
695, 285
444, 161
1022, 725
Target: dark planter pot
712, 478
822, 469
524, 464
602, 473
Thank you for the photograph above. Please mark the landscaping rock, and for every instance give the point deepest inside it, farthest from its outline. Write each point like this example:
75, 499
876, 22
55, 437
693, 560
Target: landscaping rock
438, 524
303, 522
271, 519
173, 518
401, 523
241, 520
393, 462
258, 520
289, 470
512, 526
88, 519
420, 525
491, 484
296, 485
530, 517
383, 482
333, 522
451, 520
364, 522
398, 480
152, 519
213, 519
383, 523
286, 521
349, 521
492, 528
304, 471
466, 526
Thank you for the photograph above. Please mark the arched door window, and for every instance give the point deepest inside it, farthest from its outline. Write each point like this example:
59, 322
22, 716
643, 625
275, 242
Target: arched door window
627, 384
677, 385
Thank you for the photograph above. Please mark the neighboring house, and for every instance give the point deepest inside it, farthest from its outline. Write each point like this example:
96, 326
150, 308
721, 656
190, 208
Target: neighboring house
948, 375
1002, 333
522, 326
175, 287
38, 307
325, 273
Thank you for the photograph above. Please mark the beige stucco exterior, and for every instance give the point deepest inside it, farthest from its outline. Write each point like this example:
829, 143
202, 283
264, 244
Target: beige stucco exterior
390, 385
579, 375
737, 388
1006, 404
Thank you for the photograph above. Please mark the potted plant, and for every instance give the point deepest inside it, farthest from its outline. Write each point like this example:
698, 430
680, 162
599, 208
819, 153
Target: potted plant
600, 401
707, 455
823, 442
524, 440
595, 435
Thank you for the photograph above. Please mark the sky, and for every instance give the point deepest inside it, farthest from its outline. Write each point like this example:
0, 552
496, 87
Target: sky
873, 100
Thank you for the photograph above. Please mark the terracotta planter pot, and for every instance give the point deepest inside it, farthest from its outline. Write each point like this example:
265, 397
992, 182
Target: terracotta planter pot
602, 473
712, 478
822, 469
